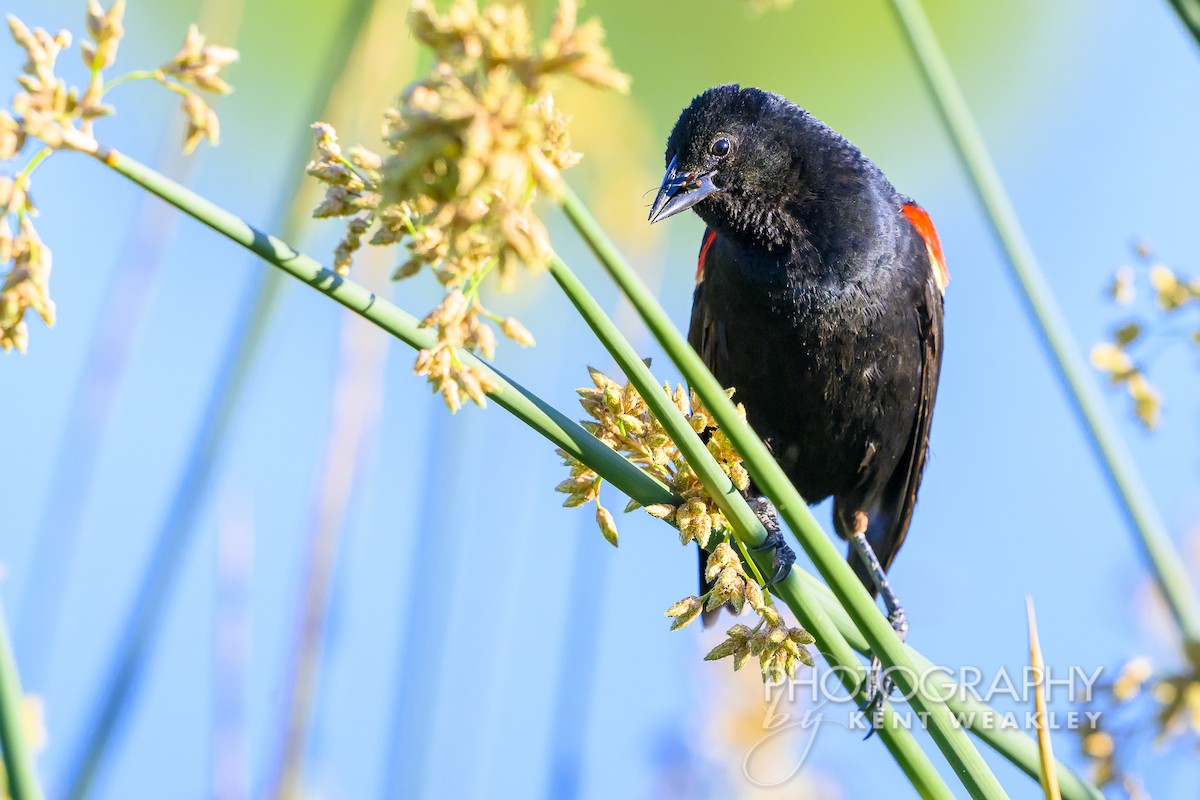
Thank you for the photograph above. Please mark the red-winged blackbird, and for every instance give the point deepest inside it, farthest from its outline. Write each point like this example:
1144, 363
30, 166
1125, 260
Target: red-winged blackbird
819, 300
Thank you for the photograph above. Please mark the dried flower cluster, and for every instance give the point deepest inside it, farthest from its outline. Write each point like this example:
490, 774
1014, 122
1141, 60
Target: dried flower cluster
1176, 298
780, 650
197, 65
1139, 702
62, 117
468, 147
620, 419
27, 284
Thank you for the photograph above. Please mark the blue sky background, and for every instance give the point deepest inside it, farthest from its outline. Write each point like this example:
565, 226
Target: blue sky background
536, 649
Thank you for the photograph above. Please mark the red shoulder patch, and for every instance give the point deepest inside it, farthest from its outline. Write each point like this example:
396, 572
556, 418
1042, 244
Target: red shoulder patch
924, 227
708, 240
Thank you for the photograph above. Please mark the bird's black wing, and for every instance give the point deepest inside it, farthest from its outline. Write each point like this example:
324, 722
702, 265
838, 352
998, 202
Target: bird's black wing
889, 525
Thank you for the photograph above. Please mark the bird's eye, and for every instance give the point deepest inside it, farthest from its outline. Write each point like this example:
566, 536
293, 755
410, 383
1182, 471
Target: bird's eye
720, 147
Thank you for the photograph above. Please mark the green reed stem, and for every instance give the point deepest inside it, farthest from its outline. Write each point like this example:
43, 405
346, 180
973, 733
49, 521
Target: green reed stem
22, 782
554, 425
1161, 555
559, 429
1189, 15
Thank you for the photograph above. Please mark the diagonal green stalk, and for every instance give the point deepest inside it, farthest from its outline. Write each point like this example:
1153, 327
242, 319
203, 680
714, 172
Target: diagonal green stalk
559, 429
1189, 15
1160, 553
966, 761
746, 525
541, 416
22, 783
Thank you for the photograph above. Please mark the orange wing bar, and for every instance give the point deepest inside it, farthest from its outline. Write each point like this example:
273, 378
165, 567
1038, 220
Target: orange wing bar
924, 226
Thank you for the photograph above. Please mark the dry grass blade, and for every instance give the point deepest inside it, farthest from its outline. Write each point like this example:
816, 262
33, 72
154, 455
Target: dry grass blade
1049, 775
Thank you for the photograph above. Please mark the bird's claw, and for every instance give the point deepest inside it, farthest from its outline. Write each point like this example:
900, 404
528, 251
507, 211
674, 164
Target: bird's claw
783, 556
880, 684
781, 559
879, 688
899, 622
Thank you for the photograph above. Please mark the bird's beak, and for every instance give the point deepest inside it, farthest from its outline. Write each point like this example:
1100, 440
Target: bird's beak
679, 192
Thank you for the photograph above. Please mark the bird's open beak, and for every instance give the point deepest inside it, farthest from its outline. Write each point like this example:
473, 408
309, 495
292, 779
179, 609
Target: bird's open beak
679, 192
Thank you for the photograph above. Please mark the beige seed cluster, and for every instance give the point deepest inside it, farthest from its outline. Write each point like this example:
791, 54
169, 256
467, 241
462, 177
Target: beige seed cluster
467, 149
621, 419
780, 649
27, 284
48, 110
198, 64
1175, 298
1140, 704
62, 116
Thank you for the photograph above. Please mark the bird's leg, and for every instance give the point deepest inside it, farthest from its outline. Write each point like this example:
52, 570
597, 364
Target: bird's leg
896, 614
879, 685
783, 556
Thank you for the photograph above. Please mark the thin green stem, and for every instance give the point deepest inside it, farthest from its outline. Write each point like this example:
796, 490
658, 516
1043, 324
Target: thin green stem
95, 81
555, 426
755, 572
966, 761
34, 163
18, 761
95, 91
810, 594
175, 86
136, 75
1189, 15
1161, 555
747, 527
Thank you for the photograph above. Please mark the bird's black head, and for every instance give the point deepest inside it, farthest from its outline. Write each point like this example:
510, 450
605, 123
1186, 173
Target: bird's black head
732, 156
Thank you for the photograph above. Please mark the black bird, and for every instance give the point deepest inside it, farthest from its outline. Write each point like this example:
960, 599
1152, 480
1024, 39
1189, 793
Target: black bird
819, 300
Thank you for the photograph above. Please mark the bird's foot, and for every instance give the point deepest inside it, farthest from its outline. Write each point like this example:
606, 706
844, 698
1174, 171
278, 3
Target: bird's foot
782, 556
880, 684
899, 621
879, 689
